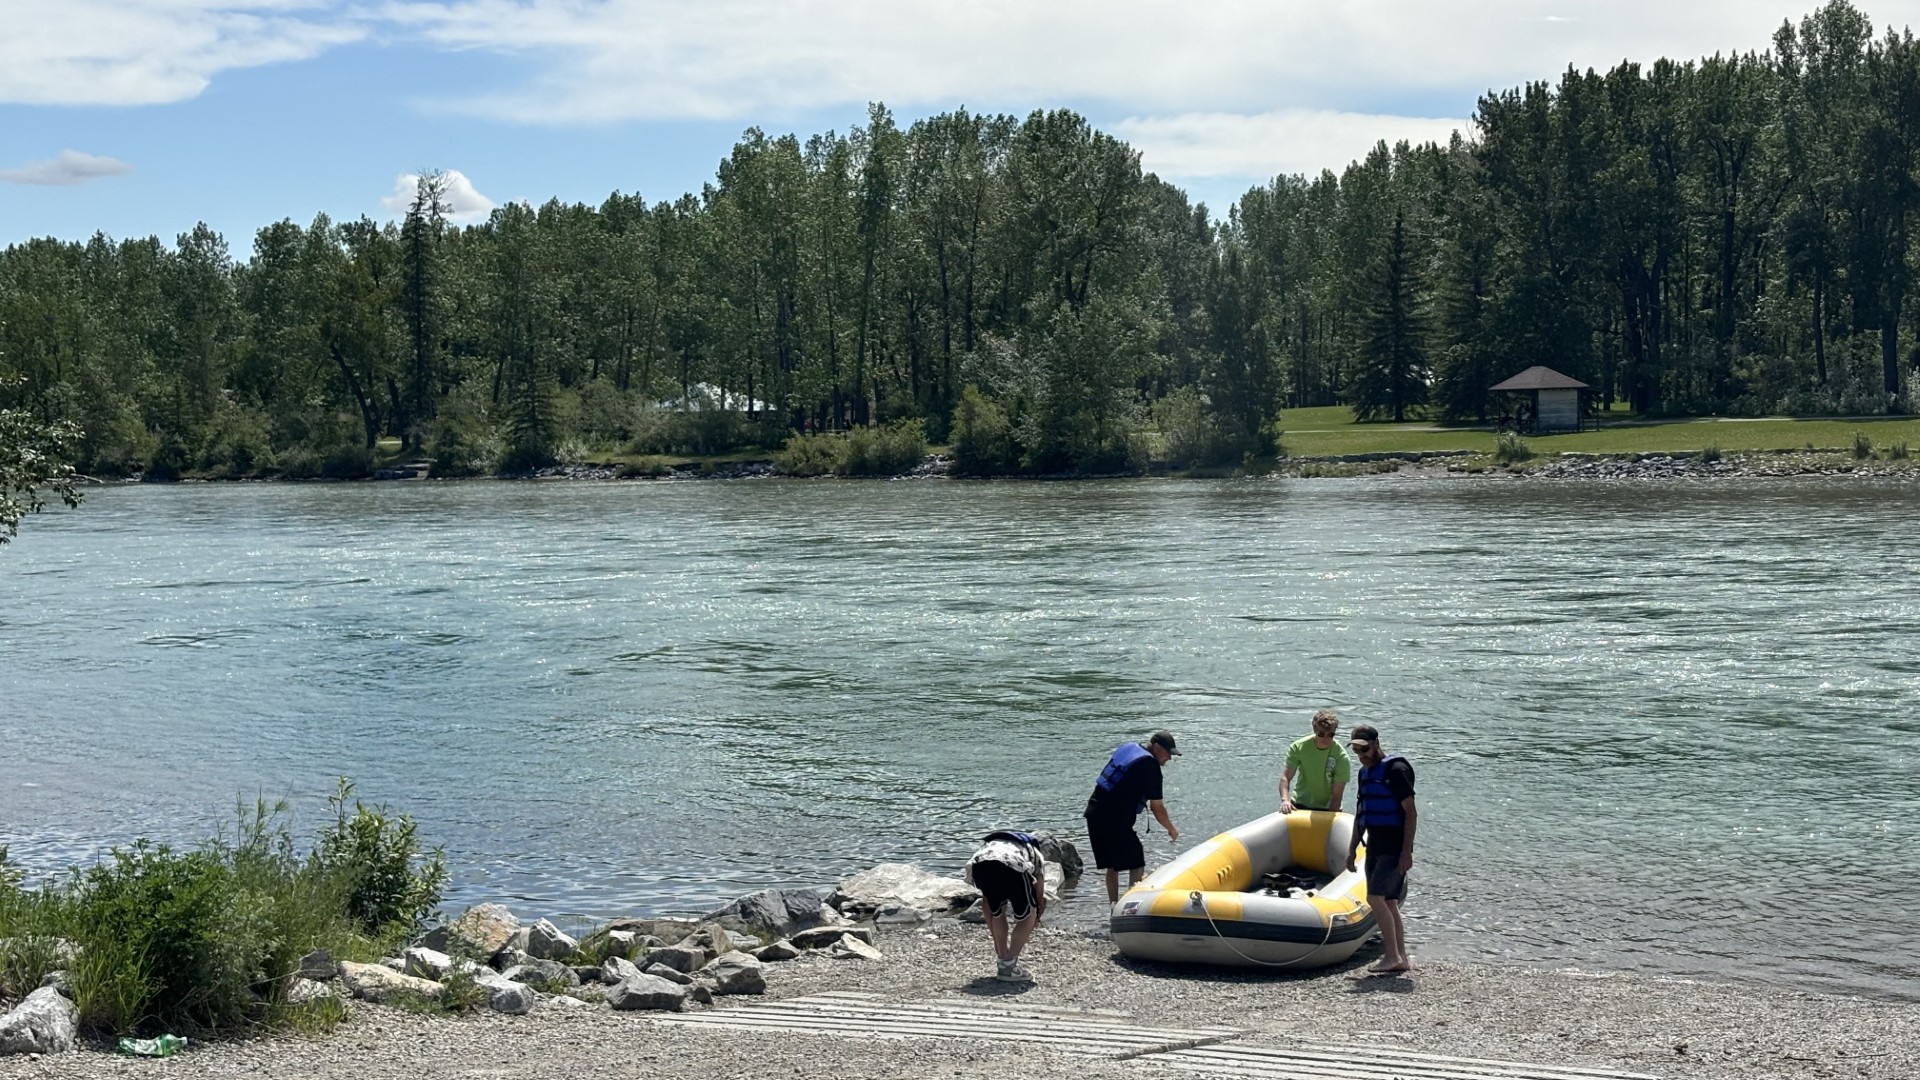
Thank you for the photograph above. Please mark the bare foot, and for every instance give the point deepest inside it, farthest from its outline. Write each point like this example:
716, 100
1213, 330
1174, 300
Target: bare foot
1390, 967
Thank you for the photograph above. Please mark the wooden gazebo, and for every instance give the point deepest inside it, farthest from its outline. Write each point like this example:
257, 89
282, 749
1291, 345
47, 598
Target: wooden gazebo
1552, 401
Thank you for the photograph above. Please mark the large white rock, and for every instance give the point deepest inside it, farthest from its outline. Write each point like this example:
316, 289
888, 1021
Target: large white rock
677, 957
617, 969
648, 992
512, 998
779, 950
303, 991
736, 973
775, 913
425, 963
44, 1023
546, 942
372, 982
821, 937
852, 948
482, 931
896, 886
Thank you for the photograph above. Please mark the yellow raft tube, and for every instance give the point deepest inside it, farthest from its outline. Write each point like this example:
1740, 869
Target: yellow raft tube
1213, 904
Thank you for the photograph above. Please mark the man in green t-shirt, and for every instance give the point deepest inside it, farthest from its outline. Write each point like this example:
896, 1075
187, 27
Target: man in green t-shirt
1317, 769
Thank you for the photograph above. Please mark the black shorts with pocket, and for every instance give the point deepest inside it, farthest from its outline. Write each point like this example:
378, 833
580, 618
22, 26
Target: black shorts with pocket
1384, 879
1003, 890
1115, 845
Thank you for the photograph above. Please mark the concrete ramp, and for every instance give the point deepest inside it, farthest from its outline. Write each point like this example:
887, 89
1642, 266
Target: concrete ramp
1094, 1033
1101, 1033
1321, 1062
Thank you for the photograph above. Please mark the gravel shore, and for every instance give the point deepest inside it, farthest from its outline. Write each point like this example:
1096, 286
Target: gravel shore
1666, 1027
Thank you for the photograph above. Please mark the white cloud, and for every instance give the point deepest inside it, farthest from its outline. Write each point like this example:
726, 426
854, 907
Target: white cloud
148, 52
69, 167
607, 60
1261, 145
463, 201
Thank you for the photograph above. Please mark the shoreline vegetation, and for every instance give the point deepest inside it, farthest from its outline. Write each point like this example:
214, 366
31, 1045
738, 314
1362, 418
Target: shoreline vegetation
327, 965
1694, 237
1336, 446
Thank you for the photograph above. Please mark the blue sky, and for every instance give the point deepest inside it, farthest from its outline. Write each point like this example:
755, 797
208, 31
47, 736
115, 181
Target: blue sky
145, 116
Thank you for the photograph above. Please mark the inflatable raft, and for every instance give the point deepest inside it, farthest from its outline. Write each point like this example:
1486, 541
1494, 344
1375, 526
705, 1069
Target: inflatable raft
1273, 892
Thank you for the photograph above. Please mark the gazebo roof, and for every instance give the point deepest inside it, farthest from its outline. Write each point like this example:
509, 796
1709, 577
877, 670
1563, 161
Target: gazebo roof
1539, 377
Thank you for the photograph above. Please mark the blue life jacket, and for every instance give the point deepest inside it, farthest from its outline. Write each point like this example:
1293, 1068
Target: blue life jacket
1379, 807
1126, 755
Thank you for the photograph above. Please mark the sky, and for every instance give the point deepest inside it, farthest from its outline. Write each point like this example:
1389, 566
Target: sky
138, 117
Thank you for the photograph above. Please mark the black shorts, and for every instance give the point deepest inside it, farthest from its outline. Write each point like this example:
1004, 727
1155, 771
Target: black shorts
1115, 845
1384, 879
1003, 890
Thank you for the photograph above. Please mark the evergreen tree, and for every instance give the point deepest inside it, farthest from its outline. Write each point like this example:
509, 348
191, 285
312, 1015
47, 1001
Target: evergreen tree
1391, 367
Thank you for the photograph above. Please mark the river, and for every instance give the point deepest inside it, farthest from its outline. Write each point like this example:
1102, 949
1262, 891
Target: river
1662, 727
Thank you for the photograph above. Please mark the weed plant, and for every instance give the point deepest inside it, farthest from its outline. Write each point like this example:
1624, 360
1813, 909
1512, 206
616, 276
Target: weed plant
206, 941
1862, 446
812, 455
1511, 449
886, 451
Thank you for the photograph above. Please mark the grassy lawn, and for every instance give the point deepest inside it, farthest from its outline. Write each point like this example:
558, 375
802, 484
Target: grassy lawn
1326, 432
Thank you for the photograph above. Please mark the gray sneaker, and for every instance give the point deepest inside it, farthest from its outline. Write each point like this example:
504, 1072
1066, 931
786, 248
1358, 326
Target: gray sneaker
1012, 972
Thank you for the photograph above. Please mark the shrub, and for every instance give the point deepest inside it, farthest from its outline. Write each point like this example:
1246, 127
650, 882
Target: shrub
1509, 449
1897, 451
650, 467
1862, 445
886, 451
812, 455
983, 443
1710, 454
347, 463
389, 884
205, 941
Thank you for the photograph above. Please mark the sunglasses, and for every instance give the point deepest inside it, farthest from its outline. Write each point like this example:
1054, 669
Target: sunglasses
1360, 747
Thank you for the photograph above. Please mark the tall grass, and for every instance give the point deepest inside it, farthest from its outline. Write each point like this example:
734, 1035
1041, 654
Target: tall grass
207, 940
1862, 446
864, 451
1511, 449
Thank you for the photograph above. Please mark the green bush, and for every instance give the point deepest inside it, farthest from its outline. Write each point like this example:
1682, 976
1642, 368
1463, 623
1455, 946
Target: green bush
1509, 449
649, 467
347, 463
812, 455
886, 451
1897, 451
389, 885
1862, 446
983, 443
1710, 454
206, 941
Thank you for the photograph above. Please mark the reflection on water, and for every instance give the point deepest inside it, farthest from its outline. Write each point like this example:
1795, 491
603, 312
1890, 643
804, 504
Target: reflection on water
1663, 726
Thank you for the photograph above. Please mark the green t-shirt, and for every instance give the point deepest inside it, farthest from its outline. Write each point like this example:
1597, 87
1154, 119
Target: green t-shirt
1315, 771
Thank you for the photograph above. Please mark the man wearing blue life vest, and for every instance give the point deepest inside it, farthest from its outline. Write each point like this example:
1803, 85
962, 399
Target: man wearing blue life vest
1387, 818
1130, 783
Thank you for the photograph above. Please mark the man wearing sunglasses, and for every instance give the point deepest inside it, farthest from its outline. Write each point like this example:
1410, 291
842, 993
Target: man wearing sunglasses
1320, 765
1387, 819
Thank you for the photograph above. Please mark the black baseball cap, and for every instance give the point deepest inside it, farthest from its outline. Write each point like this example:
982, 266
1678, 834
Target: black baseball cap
1164, 740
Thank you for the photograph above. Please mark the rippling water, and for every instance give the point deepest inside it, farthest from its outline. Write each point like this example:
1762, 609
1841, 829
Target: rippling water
1668, 727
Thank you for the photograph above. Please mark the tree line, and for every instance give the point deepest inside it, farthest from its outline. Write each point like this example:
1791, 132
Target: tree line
1726, 235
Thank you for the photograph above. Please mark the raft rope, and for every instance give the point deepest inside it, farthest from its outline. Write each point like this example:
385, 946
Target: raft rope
1200, 900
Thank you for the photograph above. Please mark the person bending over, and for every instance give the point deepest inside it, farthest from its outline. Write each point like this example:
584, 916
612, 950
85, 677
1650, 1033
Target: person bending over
1011, 876
1130, 783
